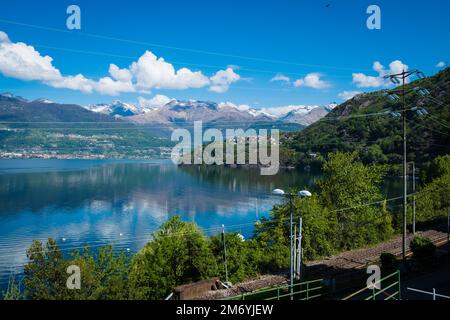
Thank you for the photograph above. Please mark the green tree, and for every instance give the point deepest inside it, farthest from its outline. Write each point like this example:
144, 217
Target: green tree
346, 188
374, 155
423, 251
45, 276
317, 231
179, 253
13, 291
241, 259
271, 244
433, 199
103, 274
318, 227
439, 167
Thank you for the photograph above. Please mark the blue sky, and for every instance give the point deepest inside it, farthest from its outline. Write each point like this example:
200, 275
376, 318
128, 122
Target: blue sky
319, 48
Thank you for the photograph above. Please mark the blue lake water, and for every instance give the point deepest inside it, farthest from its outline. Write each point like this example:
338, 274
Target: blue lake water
99, 202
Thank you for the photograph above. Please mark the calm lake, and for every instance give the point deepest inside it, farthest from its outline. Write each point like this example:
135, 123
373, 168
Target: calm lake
99, 202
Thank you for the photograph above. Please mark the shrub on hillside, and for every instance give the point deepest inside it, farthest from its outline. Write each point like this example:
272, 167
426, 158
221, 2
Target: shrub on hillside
423, 252
389, 262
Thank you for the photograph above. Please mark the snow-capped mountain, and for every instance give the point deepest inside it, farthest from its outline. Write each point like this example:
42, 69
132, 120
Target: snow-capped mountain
179, 112
304, 117
307, 115
43, 100
9, 95
116, 108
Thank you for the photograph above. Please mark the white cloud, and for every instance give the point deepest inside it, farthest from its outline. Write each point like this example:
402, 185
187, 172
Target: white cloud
221, 81
347, 95
112, 87
364, 81
397, 67
119, 74
280, 77
440, 64
3, 37
152, 72
78, 82
233, 66
21, 61
312, 80
156, 102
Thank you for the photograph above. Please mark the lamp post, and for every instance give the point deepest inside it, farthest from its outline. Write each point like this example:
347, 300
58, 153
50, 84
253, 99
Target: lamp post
290, 196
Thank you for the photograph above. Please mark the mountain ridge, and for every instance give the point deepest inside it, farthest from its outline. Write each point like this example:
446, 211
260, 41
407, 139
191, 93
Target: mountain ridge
176, 111
363, 124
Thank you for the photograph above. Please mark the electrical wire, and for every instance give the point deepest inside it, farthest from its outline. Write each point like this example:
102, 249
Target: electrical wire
143, 43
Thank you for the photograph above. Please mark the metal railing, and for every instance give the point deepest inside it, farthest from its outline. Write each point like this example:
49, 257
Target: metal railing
374, 295
301, 291
433, 293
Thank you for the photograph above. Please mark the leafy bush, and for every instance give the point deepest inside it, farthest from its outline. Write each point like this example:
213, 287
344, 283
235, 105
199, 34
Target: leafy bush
439, 167
103, 274
345, 189
433, 199
241, 260
179, 253
389, 262
423, 251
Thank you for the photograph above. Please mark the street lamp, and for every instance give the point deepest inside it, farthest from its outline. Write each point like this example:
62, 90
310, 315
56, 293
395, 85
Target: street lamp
290, 196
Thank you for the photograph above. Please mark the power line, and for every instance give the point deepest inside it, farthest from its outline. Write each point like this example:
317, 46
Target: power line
103, 37
428, 128
99, 53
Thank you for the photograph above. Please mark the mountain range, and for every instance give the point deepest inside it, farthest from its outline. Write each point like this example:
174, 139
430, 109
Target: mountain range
43, 128
172, 114
179, 112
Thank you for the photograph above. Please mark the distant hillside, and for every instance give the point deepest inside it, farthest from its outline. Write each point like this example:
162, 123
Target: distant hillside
355, 125
46, 129
17, 109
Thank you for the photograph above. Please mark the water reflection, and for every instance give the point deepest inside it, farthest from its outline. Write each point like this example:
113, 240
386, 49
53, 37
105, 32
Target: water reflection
102, 202
99, 202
